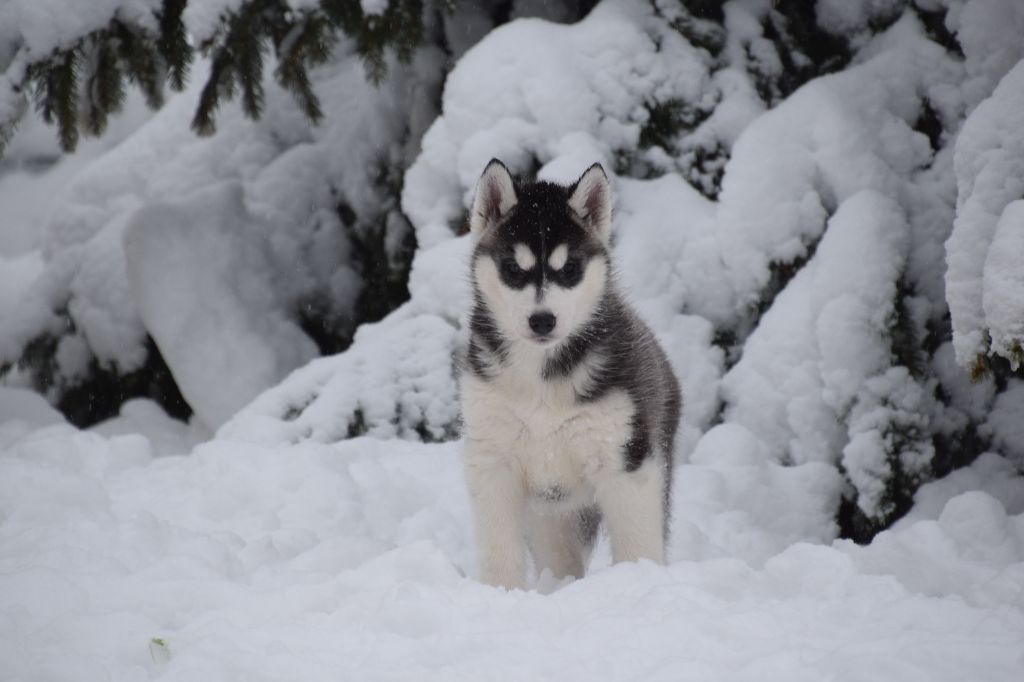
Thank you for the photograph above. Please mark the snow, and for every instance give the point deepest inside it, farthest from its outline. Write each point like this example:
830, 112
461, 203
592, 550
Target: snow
579, 90
1003, 284
989, 34
410, 395
44, 25
194, 277
312, 560
25, 410
373, 7
823, 337
167, 436
16, 277
269, 193
32, 29
305, 525
1007, 422
201, 17
889, 406
985, 248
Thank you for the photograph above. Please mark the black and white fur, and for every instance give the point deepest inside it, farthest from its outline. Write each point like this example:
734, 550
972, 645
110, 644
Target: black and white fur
569, 404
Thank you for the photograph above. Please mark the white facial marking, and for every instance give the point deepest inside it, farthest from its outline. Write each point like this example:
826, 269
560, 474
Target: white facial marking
558, 257
511, 307
524, 257
572, 307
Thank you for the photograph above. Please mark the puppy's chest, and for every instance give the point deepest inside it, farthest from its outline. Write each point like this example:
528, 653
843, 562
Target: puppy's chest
560, 442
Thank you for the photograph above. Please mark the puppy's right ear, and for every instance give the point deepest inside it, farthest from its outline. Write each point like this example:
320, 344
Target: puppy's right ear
495, 196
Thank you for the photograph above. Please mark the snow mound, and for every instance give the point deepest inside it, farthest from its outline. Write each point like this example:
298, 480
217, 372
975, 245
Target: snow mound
733, 500
984, 252
248, 561
398, 381
989, 35
206, 297
825, 334
1007, 422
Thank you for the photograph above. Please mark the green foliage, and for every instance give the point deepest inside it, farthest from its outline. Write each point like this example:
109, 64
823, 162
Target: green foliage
98, 392
699, 21
56, 89
803, 49
666, 120
400, 25
357, 426
791, 51
172, 42
78, 87
300, 40
893, 412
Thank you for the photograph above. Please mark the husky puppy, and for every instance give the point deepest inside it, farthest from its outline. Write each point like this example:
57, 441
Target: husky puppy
570, 406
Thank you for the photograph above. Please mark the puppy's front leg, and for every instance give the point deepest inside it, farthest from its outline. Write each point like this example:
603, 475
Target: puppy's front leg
633, 504
497, 494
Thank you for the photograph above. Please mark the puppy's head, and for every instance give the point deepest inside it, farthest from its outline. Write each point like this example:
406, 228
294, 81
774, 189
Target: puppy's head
541, 259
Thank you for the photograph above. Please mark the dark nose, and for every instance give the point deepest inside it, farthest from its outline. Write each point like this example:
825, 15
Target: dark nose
542, 323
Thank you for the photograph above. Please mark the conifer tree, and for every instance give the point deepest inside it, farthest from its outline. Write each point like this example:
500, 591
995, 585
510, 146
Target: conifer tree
80, 85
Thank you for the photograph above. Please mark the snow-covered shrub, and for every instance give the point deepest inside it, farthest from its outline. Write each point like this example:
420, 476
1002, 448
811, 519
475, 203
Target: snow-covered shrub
292, 218
815, 278
270, 240
889, 450
77, 60
985, 251
397, 381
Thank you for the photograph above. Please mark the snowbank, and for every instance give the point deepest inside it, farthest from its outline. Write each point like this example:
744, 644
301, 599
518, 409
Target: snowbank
254, 561
193, 274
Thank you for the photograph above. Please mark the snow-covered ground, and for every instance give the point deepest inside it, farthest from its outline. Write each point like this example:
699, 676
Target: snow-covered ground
121, 559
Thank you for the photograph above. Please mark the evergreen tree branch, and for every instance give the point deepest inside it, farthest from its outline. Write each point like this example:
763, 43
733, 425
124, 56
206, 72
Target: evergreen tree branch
220, 84
173, 43
143, 62
103, 85
308, 43
56, 90
79, 85
11, 112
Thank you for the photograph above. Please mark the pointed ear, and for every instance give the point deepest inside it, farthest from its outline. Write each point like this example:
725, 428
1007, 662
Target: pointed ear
591, 200
495, 196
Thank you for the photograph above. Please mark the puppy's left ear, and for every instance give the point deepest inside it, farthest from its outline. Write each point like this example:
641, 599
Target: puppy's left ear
495, 197
591, 200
